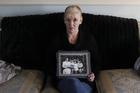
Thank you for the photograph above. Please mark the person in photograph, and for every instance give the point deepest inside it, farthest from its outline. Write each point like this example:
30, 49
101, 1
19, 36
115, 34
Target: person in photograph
75, 66
80, 64
75, 37
67, 71
66, 63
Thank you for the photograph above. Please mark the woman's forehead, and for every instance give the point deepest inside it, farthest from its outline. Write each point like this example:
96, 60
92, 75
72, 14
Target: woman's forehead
72, 11
73, 15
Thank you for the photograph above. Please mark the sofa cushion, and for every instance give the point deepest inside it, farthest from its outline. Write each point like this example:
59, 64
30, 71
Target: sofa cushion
118, 81
28, 81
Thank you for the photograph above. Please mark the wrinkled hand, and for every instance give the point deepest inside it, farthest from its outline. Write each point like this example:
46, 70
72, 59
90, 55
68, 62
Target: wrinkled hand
91, 77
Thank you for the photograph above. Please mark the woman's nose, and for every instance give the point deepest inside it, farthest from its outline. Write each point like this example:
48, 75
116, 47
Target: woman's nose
71, 23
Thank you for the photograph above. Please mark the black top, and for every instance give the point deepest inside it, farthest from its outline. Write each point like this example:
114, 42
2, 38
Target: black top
85, 42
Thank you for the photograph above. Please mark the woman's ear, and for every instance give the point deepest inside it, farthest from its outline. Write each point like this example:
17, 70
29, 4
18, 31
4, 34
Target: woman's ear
81, 20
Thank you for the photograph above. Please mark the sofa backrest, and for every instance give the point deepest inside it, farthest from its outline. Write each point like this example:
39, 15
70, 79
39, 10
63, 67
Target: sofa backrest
117, 40
24, 39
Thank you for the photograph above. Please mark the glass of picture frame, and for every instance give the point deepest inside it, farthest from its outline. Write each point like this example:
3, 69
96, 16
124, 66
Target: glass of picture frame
73, 64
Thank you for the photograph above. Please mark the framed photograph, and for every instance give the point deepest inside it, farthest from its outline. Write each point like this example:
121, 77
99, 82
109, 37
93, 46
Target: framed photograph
73, 64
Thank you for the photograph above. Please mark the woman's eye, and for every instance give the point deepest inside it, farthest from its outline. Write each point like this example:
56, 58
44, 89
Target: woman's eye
75, 20
67, 20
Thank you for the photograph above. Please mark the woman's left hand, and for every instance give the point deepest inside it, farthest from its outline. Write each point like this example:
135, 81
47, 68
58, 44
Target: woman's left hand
91, 77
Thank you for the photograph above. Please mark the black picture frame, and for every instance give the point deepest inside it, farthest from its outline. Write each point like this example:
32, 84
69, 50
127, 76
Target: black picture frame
73, 64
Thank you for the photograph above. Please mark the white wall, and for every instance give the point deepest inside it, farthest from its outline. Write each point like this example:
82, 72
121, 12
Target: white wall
129, 11
89, 2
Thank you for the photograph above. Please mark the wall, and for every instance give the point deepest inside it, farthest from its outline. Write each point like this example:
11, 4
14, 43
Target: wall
91, 2
126, 10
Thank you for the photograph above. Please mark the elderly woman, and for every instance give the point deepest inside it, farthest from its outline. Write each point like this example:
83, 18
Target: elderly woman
75, 38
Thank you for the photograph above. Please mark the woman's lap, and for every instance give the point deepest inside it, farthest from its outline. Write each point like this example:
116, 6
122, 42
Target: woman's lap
73, 85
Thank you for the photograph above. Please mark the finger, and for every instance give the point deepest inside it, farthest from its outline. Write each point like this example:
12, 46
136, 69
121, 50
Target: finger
91, 80
92, 75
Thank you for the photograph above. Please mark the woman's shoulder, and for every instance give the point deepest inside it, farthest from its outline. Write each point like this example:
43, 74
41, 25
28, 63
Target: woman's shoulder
88, 36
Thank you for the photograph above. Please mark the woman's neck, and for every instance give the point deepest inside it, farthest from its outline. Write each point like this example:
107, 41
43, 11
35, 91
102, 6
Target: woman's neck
72, 38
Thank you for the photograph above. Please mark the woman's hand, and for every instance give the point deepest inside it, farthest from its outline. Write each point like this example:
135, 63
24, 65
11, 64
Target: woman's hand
91, 77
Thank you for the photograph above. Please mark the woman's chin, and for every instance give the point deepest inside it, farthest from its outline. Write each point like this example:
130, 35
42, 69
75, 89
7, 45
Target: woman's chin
71, 31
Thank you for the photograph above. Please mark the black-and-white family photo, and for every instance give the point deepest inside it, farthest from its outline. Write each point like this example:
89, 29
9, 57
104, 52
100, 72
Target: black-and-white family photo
73, 63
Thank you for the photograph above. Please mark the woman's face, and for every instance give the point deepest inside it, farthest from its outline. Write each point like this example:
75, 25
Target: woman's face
72, 19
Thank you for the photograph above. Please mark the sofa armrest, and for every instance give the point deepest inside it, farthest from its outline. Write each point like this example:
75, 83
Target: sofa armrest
28, 81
